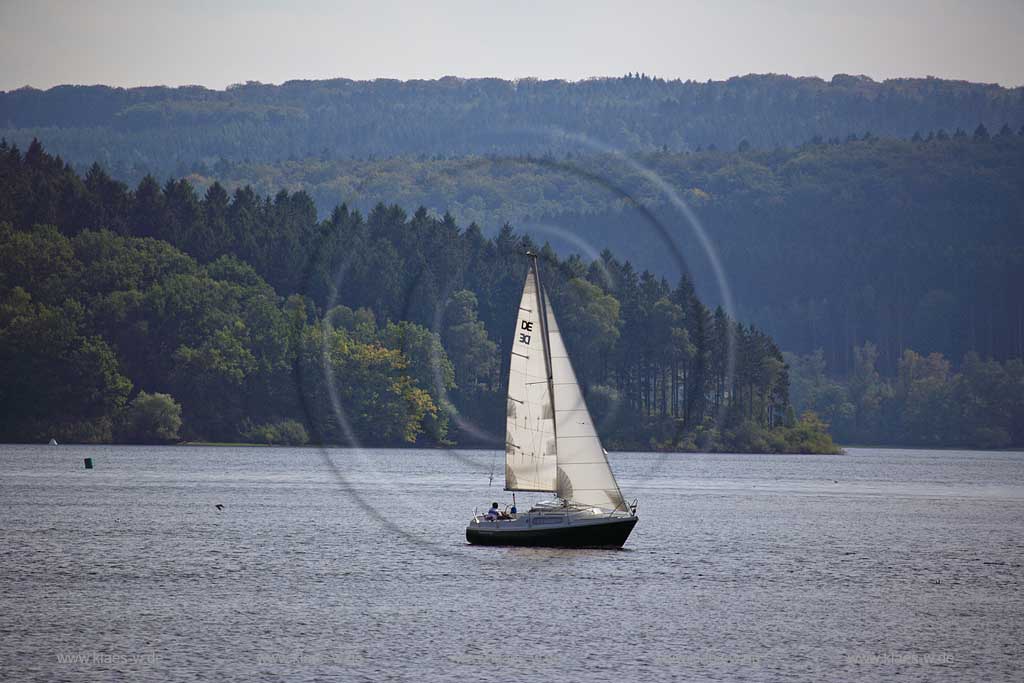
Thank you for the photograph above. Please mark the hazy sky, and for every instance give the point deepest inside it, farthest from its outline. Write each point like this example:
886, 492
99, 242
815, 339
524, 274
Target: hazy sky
218, 42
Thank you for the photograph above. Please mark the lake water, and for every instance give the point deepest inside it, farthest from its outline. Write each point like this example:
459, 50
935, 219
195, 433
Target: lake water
353, 565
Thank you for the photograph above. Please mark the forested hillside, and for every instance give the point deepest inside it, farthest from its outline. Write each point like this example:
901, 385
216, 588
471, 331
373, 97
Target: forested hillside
412, 314
168, 131
907, 244
248, 318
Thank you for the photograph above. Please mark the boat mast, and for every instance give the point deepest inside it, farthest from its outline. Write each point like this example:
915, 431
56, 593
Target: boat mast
542, 305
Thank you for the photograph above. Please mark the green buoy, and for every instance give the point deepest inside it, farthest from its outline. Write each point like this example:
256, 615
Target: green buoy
88, 463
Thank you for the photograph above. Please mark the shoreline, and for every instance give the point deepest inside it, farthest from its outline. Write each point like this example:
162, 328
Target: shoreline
227, 444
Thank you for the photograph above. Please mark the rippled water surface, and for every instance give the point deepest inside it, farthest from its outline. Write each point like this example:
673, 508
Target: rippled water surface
352, 565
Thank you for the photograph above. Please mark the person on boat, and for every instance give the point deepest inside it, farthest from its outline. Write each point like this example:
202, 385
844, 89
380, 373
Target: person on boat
495, 514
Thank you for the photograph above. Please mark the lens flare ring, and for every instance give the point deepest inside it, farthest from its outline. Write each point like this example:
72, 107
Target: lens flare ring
440, 540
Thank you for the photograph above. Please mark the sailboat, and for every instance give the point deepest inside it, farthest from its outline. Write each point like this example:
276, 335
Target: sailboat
551, 446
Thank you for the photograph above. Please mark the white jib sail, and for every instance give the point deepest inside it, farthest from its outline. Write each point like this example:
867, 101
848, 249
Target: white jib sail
529, 425
584, 476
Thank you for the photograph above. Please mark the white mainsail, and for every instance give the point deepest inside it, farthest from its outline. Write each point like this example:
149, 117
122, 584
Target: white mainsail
529, 425
551, 450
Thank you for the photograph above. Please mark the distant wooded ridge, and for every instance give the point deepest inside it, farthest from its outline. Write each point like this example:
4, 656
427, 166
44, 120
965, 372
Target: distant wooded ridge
166, 131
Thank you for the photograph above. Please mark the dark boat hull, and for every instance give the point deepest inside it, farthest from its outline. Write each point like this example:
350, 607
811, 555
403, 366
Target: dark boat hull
611, 534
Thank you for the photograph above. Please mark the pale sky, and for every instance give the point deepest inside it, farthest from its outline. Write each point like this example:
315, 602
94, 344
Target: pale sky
216, 43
